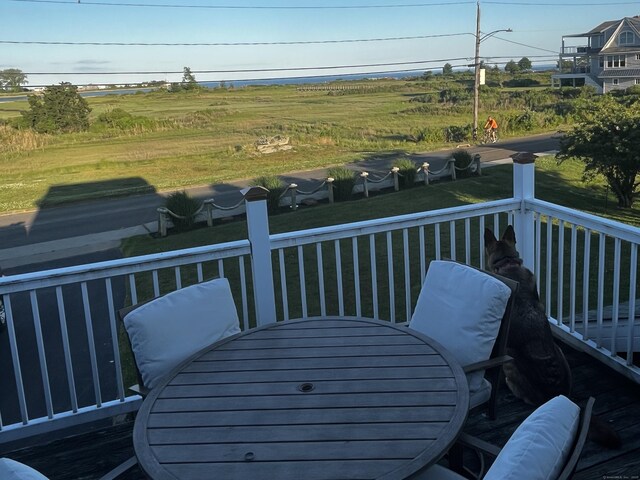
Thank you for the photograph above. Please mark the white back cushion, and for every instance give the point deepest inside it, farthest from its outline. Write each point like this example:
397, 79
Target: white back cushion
461, 308
12, 470
169, 329
541, 445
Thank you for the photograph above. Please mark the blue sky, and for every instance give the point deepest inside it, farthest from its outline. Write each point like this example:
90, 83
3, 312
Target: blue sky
182, 21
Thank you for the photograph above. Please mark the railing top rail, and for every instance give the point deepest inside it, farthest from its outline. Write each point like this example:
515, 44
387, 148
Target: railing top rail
123, 266
612, 228
367, 227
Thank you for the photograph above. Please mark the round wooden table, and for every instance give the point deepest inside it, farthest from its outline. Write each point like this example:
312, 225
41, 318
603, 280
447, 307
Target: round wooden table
313, 399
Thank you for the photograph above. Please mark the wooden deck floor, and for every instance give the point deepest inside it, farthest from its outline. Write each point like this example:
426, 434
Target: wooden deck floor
91, 455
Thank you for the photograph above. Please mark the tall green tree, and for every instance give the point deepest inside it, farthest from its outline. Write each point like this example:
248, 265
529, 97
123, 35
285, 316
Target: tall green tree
607, 140
60, 109
188, 80
447, 69
511, 67
12, 79
524, 64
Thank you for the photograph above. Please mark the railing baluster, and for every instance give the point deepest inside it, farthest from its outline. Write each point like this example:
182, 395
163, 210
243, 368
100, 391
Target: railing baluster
283, 284
356, 275
538, 250
407, 274
423, 256
467, 241
600, 306
392, 287
132, 287
67, 350
436, 234
91, 344
616, 295
15, 358
221, 268
44, 372
481, 241
560, 271
178, 277
243, 293
374, 275
452, 239
547, 300
572, 278
156, 283
303, 282
585, 282
633, 278
114, 339
199, 272
336, 244
323, 303
496, 224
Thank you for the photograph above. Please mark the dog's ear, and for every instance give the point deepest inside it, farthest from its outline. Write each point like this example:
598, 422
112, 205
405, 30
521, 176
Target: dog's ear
509, 236
489, 239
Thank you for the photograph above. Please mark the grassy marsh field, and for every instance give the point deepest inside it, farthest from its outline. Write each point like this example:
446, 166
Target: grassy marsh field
176, 140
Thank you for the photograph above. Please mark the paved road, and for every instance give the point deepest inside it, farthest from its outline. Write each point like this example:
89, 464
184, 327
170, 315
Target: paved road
106, 222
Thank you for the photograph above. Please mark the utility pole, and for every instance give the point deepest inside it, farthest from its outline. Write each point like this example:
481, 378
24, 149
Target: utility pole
476, 83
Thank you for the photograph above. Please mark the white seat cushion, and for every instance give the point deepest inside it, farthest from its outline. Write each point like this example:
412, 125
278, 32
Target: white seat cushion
12, 470
540, 446
169, 329
461, 308
481, 395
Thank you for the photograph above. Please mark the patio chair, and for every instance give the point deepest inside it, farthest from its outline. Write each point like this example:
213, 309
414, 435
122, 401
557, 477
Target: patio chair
13, 470
468, 312
169, 329
546, 446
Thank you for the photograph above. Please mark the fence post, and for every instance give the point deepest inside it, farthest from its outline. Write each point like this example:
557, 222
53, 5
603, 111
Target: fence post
330, 189
425, 171
452, 168
365, 185
292, 188
476, 159
209, 205
162, 221
262, 272
396, 185
523, 190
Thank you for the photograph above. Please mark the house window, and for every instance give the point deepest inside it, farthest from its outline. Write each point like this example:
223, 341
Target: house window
626, 38
637, 56
601, 62
637, 81
616, 61
615, 81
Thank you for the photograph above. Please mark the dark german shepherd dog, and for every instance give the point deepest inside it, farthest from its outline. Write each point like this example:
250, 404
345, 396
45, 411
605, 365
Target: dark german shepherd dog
539, 370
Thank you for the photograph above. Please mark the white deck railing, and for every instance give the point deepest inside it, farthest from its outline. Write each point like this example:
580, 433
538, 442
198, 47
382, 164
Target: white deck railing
63, 359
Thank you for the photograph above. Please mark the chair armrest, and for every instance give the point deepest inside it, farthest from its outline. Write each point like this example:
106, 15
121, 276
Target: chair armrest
477, 444
486, 364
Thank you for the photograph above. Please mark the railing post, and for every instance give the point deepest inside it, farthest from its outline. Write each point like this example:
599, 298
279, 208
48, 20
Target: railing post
425, 171
396, 185
452, 168
476, 159
524, 189
209, 205
293, 189
262, 272
162, 221
365, 185
330, 189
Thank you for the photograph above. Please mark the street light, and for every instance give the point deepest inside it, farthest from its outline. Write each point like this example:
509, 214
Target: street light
476, 84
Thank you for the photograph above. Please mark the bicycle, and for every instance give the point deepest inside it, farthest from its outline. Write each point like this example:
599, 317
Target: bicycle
489, 136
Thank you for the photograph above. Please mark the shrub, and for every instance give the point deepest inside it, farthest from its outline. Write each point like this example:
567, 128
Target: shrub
185, 206
343, 182
276, 189
407, 170
120, 119
456, 133
463, 159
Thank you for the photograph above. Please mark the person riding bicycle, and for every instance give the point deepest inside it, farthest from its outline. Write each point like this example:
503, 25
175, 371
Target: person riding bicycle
491, 127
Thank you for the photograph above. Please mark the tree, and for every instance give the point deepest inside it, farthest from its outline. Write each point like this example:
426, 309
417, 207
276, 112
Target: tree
60, 109
607, 140
12, 79
189, 80
447, 69
511, 67
524, 64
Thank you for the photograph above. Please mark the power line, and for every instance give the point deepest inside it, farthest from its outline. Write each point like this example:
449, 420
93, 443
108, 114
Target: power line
556, 4
305, 42
247, 7
525, 45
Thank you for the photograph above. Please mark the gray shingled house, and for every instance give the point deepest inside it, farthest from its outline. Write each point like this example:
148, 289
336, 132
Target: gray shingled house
606, 57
